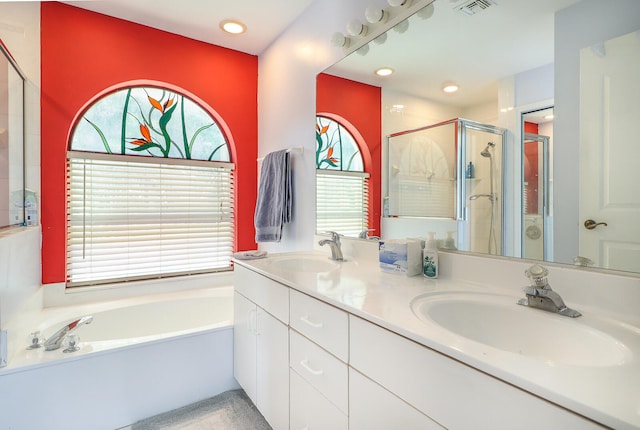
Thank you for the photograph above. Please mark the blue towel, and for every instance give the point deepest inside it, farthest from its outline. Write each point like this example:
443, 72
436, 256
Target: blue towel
273, 207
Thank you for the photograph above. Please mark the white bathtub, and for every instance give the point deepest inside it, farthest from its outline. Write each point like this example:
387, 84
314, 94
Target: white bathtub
139, 357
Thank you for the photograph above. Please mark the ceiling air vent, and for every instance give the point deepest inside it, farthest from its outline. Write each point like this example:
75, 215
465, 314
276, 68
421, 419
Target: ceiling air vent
473, 7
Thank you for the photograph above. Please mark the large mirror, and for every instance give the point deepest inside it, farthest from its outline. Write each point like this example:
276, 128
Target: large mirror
13, 210
560, 76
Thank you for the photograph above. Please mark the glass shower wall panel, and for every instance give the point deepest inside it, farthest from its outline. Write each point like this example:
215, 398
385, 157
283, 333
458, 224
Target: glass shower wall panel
422, 172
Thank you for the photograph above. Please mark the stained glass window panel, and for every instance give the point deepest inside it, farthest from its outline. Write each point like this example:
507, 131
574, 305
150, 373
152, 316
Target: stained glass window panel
153, 122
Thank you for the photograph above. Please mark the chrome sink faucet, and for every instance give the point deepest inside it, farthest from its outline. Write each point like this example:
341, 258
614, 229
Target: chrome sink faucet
56, 339
541, 296
334, 244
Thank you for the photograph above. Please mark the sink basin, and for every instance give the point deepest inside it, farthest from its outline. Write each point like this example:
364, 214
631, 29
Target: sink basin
305, 263
496, 321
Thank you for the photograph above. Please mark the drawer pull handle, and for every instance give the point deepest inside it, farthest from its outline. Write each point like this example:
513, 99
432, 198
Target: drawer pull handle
305, 364
311, 323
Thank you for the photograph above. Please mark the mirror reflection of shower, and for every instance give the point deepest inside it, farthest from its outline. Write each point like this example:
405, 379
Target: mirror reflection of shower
484, 200
446, 178
487, 152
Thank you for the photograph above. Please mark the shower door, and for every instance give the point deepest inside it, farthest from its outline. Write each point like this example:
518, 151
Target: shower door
482, 187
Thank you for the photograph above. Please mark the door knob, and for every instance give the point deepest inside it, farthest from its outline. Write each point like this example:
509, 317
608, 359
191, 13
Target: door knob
591, 224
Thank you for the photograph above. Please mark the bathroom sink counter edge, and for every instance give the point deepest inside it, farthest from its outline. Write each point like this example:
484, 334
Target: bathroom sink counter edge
602, 391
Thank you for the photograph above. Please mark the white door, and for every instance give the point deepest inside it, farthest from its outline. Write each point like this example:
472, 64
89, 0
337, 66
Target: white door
610, 153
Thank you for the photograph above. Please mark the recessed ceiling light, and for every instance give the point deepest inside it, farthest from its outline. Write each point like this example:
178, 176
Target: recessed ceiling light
384, 71
233, 27
450, 88
550, 116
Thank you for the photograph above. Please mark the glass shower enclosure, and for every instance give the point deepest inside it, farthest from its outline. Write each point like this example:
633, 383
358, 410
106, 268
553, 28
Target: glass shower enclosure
450, 171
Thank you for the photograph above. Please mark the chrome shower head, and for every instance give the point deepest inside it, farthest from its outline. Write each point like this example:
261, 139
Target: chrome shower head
485, 152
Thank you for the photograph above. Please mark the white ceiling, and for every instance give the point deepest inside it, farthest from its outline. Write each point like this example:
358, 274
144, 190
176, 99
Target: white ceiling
199, 19
473, 51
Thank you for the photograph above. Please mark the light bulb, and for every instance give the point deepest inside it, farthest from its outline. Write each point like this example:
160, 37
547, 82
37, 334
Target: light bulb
339, 40
401, 27
450, 88
384, 71
233, 27
380, 39
356, 28
363, 50
426, 12
375, 14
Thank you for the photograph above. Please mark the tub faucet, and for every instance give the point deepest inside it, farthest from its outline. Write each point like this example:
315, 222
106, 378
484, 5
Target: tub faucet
56, 339
540, 295
364, 234
334, 244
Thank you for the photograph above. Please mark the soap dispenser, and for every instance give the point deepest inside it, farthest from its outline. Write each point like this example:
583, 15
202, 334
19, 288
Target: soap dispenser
430, 257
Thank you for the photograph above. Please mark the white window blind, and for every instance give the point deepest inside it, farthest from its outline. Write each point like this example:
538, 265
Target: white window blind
342, 201
146, 219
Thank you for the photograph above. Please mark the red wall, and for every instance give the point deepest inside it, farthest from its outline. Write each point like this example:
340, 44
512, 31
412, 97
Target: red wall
84, 53
361, 105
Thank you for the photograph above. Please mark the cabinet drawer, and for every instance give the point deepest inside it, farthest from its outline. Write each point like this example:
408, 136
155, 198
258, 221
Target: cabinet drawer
371, 407
266, 293
322, 370
311, 410
322, 323
439, 387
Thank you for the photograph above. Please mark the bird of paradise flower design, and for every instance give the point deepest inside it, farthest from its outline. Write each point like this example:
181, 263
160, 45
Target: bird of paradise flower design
161, 126
334, 146
325, 144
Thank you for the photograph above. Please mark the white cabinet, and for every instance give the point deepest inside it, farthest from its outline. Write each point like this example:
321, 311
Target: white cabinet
310, 410
322, 370
272, 370
261, 344
371, 407
319, 341
322, 323
451, 393
308, 365
245, 345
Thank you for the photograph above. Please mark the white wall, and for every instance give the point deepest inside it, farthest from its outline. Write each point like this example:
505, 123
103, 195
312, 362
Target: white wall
574, 32
287, 104
20, 268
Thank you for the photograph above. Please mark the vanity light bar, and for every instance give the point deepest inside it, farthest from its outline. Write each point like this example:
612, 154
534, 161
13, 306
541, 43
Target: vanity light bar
378, 20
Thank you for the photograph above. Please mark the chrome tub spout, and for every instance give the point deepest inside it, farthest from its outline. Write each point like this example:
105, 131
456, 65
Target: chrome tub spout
56, 339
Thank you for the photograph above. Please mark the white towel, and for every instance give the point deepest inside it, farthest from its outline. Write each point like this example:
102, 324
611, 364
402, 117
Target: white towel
274, 204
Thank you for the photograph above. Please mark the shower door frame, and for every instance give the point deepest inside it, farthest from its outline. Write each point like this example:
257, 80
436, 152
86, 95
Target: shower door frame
547, 233
461, 193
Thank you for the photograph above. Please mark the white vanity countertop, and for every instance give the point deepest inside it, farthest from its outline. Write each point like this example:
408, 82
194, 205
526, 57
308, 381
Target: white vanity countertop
607, 394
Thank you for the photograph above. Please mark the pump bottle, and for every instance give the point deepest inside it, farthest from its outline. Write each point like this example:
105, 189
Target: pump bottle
430, 257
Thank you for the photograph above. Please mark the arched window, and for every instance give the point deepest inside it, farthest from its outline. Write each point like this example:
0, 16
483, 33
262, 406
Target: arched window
149, 189
342, 199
